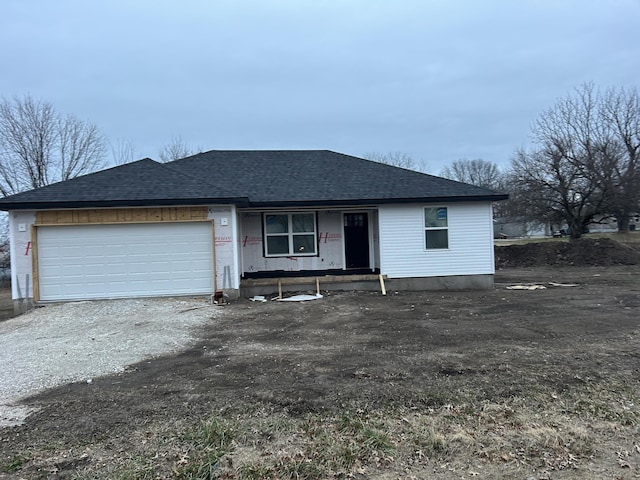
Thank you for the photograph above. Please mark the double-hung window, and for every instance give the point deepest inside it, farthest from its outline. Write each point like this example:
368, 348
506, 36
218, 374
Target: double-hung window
290, 234
436, 228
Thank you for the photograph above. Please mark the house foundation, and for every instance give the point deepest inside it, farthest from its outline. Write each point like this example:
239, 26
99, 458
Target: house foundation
454, 282
274, 286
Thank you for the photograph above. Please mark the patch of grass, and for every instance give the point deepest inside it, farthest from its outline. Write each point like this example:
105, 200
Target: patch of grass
204, 467
374, 440
324, 446
137, 469
256, 472
130, 467
523, 241
15, 464
211, 440
344, 456
605, 410
349, 422
214, 434
429, 442
617, 403
631, 239
298, 467
367, 431
271, 427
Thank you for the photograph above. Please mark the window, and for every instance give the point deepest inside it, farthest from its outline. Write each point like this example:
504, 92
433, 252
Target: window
289, 234
436, 229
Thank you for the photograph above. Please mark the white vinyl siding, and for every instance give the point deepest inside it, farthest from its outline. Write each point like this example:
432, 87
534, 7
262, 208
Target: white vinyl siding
402, 241
119, 261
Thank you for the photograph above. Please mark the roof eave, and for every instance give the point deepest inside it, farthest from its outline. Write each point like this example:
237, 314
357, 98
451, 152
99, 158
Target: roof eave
243, 202
377, 201
64, 205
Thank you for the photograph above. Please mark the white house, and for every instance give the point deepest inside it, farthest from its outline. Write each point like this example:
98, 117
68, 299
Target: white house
237, 220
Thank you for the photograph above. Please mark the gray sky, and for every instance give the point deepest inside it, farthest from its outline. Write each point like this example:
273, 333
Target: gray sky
438, 80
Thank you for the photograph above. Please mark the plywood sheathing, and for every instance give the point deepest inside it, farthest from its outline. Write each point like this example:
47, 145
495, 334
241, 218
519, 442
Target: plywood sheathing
120, 215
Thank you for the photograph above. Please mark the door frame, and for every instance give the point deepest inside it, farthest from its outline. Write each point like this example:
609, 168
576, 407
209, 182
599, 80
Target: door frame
369, 240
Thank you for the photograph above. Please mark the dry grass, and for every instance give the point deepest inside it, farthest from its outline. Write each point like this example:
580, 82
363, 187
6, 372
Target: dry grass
631, 239
542, 432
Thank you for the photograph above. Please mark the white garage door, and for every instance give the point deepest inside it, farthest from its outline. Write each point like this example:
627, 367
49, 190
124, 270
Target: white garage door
133, 260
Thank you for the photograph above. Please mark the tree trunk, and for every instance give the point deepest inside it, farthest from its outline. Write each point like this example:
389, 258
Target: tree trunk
623, 222
575, 229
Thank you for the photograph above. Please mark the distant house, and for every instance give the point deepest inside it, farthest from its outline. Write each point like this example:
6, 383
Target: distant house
222, 220
510, 227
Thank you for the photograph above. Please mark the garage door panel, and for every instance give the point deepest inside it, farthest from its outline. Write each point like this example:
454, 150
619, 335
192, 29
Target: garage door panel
114, 261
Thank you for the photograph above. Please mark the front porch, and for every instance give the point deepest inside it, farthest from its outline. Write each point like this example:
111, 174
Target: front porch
309, 250
317, 283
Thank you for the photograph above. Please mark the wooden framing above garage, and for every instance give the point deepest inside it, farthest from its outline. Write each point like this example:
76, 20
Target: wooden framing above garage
100, 216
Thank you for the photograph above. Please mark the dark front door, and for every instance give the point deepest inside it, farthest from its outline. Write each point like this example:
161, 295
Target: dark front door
356, 240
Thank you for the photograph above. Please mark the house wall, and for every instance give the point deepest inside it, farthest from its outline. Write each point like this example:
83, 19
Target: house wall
225, 228
330, 247
20, 227
402, 241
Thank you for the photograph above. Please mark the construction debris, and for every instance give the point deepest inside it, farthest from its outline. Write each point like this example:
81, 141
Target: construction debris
300, 298
526, 287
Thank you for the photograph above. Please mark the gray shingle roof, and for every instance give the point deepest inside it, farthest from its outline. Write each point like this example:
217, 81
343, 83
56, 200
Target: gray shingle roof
145, 182
251, 178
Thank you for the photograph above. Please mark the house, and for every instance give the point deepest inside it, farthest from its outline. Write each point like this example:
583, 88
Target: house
516, 227
228, 220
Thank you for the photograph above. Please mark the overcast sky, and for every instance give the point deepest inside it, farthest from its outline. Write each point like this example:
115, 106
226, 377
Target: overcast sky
438, 80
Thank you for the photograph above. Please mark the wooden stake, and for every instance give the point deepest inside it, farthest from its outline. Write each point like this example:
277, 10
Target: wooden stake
382, 287
317, 285
280, 289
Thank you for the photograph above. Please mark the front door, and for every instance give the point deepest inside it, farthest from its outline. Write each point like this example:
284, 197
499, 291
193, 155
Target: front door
356, 240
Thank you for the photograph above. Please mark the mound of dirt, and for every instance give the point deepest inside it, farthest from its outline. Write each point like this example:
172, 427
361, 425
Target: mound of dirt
580, 253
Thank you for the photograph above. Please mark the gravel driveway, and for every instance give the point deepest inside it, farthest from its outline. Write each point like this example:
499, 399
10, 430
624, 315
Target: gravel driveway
71, 342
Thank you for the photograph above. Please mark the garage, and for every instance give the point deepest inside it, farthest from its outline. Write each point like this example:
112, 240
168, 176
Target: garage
124, 260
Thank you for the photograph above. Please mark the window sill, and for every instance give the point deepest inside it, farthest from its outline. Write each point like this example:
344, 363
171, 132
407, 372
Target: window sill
289, 255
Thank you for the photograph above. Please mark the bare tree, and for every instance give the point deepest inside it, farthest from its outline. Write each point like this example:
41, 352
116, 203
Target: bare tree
552, 190
174, 150
620, 111
80, 144
39, 147
561, 178
476, 172
396, 159
5, 255
122, 151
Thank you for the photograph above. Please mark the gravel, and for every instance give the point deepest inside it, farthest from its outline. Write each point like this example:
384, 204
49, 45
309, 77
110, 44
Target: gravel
71, 342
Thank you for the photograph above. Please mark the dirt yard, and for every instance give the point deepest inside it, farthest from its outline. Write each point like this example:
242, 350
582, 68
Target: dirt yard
508, 383
6, 304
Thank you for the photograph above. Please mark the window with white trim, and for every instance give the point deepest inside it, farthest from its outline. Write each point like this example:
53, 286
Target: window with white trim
290, 234
436, 228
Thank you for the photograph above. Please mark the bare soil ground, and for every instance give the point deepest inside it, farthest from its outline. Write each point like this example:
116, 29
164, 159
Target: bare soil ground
531, 384
6, 304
